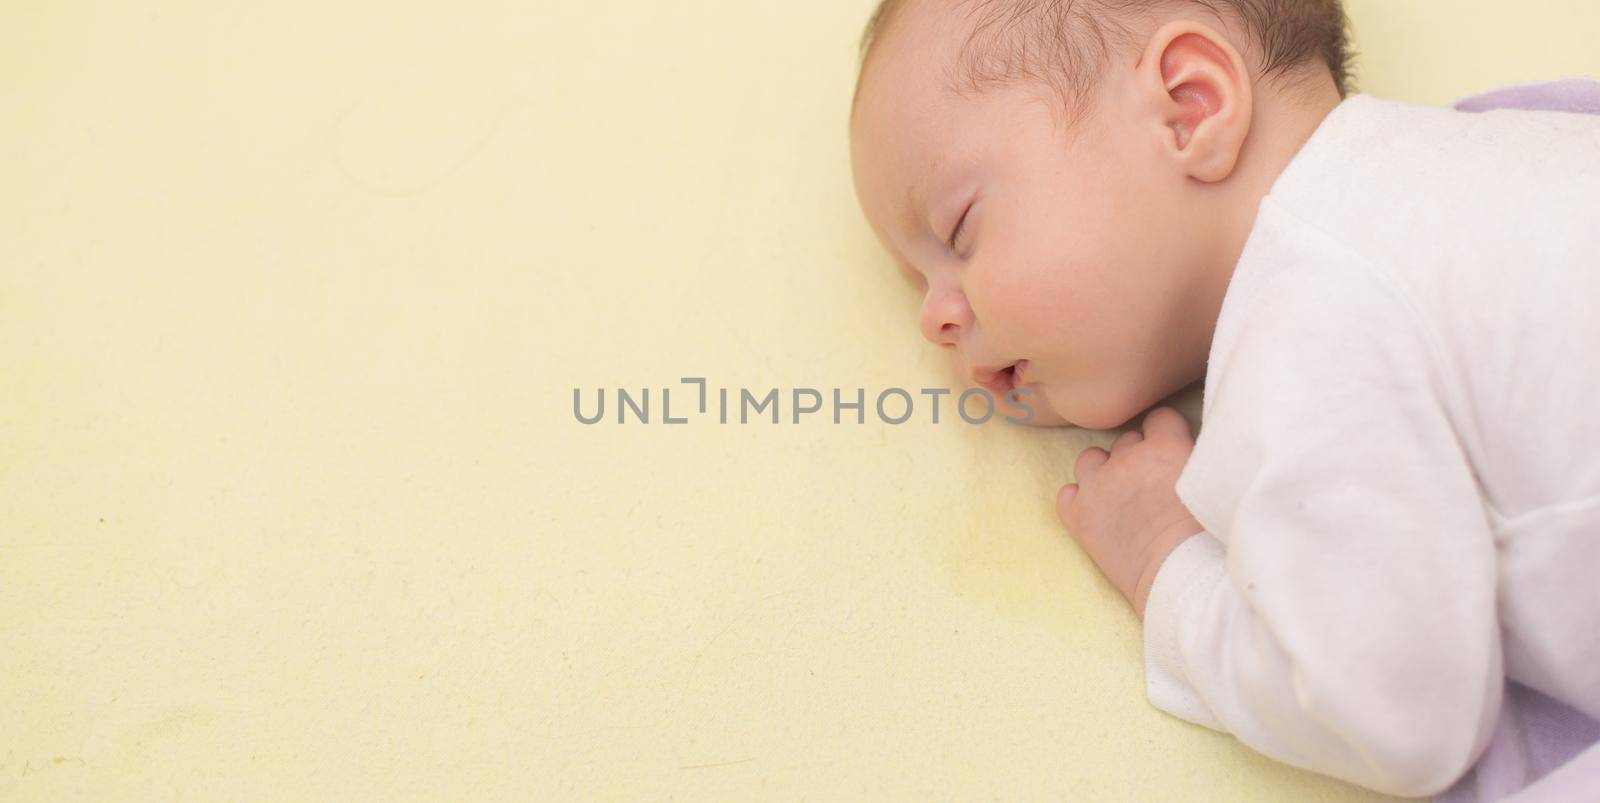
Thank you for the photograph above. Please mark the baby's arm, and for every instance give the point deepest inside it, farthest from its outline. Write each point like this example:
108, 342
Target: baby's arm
1349, 624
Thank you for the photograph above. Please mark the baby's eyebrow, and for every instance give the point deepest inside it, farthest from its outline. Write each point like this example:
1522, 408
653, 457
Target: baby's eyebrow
916, 212
916, 200
911, 207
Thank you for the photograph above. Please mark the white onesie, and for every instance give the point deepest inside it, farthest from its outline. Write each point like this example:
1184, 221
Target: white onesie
1399, 462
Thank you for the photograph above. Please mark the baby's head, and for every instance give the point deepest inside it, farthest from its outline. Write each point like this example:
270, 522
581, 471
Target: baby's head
1070, 182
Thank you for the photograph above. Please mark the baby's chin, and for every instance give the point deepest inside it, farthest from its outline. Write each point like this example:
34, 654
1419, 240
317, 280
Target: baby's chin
1044, 414
1081, 410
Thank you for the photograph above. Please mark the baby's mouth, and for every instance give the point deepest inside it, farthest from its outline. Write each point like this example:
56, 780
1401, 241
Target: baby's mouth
999, 380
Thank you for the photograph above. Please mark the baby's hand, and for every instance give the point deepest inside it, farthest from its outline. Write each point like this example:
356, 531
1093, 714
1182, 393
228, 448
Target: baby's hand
1127, 514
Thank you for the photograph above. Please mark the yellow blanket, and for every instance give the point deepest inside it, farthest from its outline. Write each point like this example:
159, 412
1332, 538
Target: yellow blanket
294, 299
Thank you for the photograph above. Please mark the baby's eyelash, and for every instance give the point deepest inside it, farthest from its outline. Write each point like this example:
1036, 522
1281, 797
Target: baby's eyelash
961, 226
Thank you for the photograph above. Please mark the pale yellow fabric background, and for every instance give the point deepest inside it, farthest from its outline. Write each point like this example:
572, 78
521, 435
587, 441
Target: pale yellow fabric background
293, 298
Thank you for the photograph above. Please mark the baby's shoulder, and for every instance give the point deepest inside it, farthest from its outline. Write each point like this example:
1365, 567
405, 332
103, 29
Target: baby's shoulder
1408, 185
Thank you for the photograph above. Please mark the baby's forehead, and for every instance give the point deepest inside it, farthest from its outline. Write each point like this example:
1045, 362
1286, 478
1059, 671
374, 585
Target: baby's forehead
909, 119
899, 127
922, 36
905, 80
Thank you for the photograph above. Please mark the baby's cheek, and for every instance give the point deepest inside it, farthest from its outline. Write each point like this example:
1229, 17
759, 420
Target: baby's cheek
1047, 323
1013, 303
1027, 309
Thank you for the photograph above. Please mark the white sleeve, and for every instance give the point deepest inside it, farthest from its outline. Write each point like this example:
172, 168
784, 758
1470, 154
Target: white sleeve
1339, 614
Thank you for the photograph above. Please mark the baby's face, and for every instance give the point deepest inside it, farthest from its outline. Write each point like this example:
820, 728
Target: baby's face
1067, 274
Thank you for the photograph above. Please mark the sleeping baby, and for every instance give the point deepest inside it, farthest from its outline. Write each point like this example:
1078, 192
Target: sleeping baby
1392, 513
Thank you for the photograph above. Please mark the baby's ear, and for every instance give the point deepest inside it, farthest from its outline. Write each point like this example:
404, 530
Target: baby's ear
1200, 91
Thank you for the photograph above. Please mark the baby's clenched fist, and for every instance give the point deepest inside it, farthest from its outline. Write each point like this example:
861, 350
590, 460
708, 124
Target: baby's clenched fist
1124, 509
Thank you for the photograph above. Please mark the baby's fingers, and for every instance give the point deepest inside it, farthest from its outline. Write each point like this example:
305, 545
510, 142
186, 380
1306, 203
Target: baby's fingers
1165, 421
1064, 499
1125, 440
1089, 461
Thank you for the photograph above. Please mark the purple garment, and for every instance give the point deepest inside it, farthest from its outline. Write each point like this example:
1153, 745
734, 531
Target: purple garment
1534, 736
1542, 750
1577, 95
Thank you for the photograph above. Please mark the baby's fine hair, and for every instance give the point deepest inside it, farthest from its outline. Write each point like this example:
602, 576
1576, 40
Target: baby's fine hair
1065, 43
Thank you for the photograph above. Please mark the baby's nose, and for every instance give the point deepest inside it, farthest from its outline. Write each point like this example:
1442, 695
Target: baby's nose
944, 314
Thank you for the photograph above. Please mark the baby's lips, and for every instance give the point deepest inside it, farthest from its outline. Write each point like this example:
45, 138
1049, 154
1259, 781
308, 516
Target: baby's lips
998, 381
